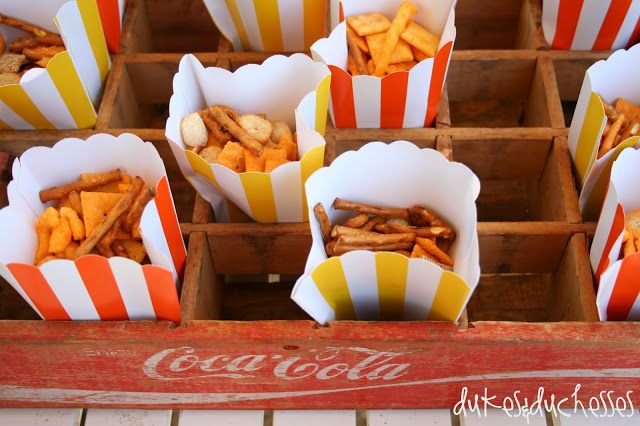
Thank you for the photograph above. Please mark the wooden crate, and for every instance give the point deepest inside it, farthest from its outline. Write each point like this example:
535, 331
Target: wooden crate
243, 343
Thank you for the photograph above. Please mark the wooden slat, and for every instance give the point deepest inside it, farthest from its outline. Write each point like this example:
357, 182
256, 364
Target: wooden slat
108, 417
40, 417
220, 418
487, 24
201, 288
314, 418
408, 417
497, 417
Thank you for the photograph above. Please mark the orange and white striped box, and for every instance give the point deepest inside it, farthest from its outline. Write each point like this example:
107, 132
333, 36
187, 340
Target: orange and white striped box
401, 99
65, 94
269, 25
367, 285
112, 16
293, 89
617, 278
93, 287
613, 78
591, 24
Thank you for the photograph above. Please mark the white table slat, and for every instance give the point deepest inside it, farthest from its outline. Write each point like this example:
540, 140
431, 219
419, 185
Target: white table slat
500, 418
105, 417
40, 417
578, 419
314, 418
409, 417
221, 418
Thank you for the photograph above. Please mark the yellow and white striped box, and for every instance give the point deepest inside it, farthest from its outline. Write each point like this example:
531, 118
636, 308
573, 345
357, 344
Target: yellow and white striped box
367, 285
65, 94
269, 25
616, 77
293, 89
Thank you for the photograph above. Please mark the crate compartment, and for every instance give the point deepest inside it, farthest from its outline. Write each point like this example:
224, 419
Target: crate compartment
487, 24
570, 72
168, 26
501, 89
523, 176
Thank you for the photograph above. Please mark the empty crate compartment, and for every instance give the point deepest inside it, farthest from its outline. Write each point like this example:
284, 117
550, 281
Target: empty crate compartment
487, 24
523, 177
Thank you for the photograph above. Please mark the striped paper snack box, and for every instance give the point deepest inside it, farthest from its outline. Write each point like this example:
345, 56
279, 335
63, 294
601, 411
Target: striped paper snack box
93, 287
617, 77
591, 24
63, 95
366, 285
293, 89
269, 25
112, 16
617, 277
402, 99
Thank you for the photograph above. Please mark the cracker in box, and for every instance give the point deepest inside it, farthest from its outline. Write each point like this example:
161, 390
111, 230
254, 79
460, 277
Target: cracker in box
65, 255
388, 61
250, 138
415, 254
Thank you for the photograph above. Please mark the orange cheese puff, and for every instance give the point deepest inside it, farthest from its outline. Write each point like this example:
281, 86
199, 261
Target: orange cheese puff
273, 163
286, 142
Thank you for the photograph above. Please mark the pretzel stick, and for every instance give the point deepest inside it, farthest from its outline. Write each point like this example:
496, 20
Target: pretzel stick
357, 221
323, 221
431, 248
404, 253
232, 127
135, 213
58, 192
387, 212
426, 232
109, 220
3, 43
342, 248
356, 53
420, 216
107, 240
380, 239
22, 25
120, 250
340, 230
373, 222
33, 41
607, 144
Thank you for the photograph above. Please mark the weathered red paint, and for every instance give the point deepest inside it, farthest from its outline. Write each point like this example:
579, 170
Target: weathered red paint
293, 364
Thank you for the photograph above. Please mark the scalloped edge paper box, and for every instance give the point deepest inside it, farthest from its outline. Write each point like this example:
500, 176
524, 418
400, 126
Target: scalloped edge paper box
93, 287
366, 285
404, 99
293, 89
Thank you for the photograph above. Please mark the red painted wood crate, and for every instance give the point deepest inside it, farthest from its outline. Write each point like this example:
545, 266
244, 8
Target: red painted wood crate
243, 343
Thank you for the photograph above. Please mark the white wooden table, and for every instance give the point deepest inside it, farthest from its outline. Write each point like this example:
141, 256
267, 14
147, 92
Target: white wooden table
97, 417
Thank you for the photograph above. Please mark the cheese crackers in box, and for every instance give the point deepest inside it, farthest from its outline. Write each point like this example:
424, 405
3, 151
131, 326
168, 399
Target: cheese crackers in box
91, 231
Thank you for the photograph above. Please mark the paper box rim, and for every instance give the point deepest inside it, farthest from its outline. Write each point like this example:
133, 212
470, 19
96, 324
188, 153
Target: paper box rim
20, 164
320, 175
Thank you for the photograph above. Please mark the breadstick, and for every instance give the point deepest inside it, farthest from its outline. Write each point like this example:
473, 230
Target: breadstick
607, 144
323, 221
357, 221
424, 232
398, 25
107, 240
342, 248
135, 213
238, 132
22, 25
356, 53
118, 210
76, 204
376, 239
58, 192
387, 212
431, 248
120, 250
